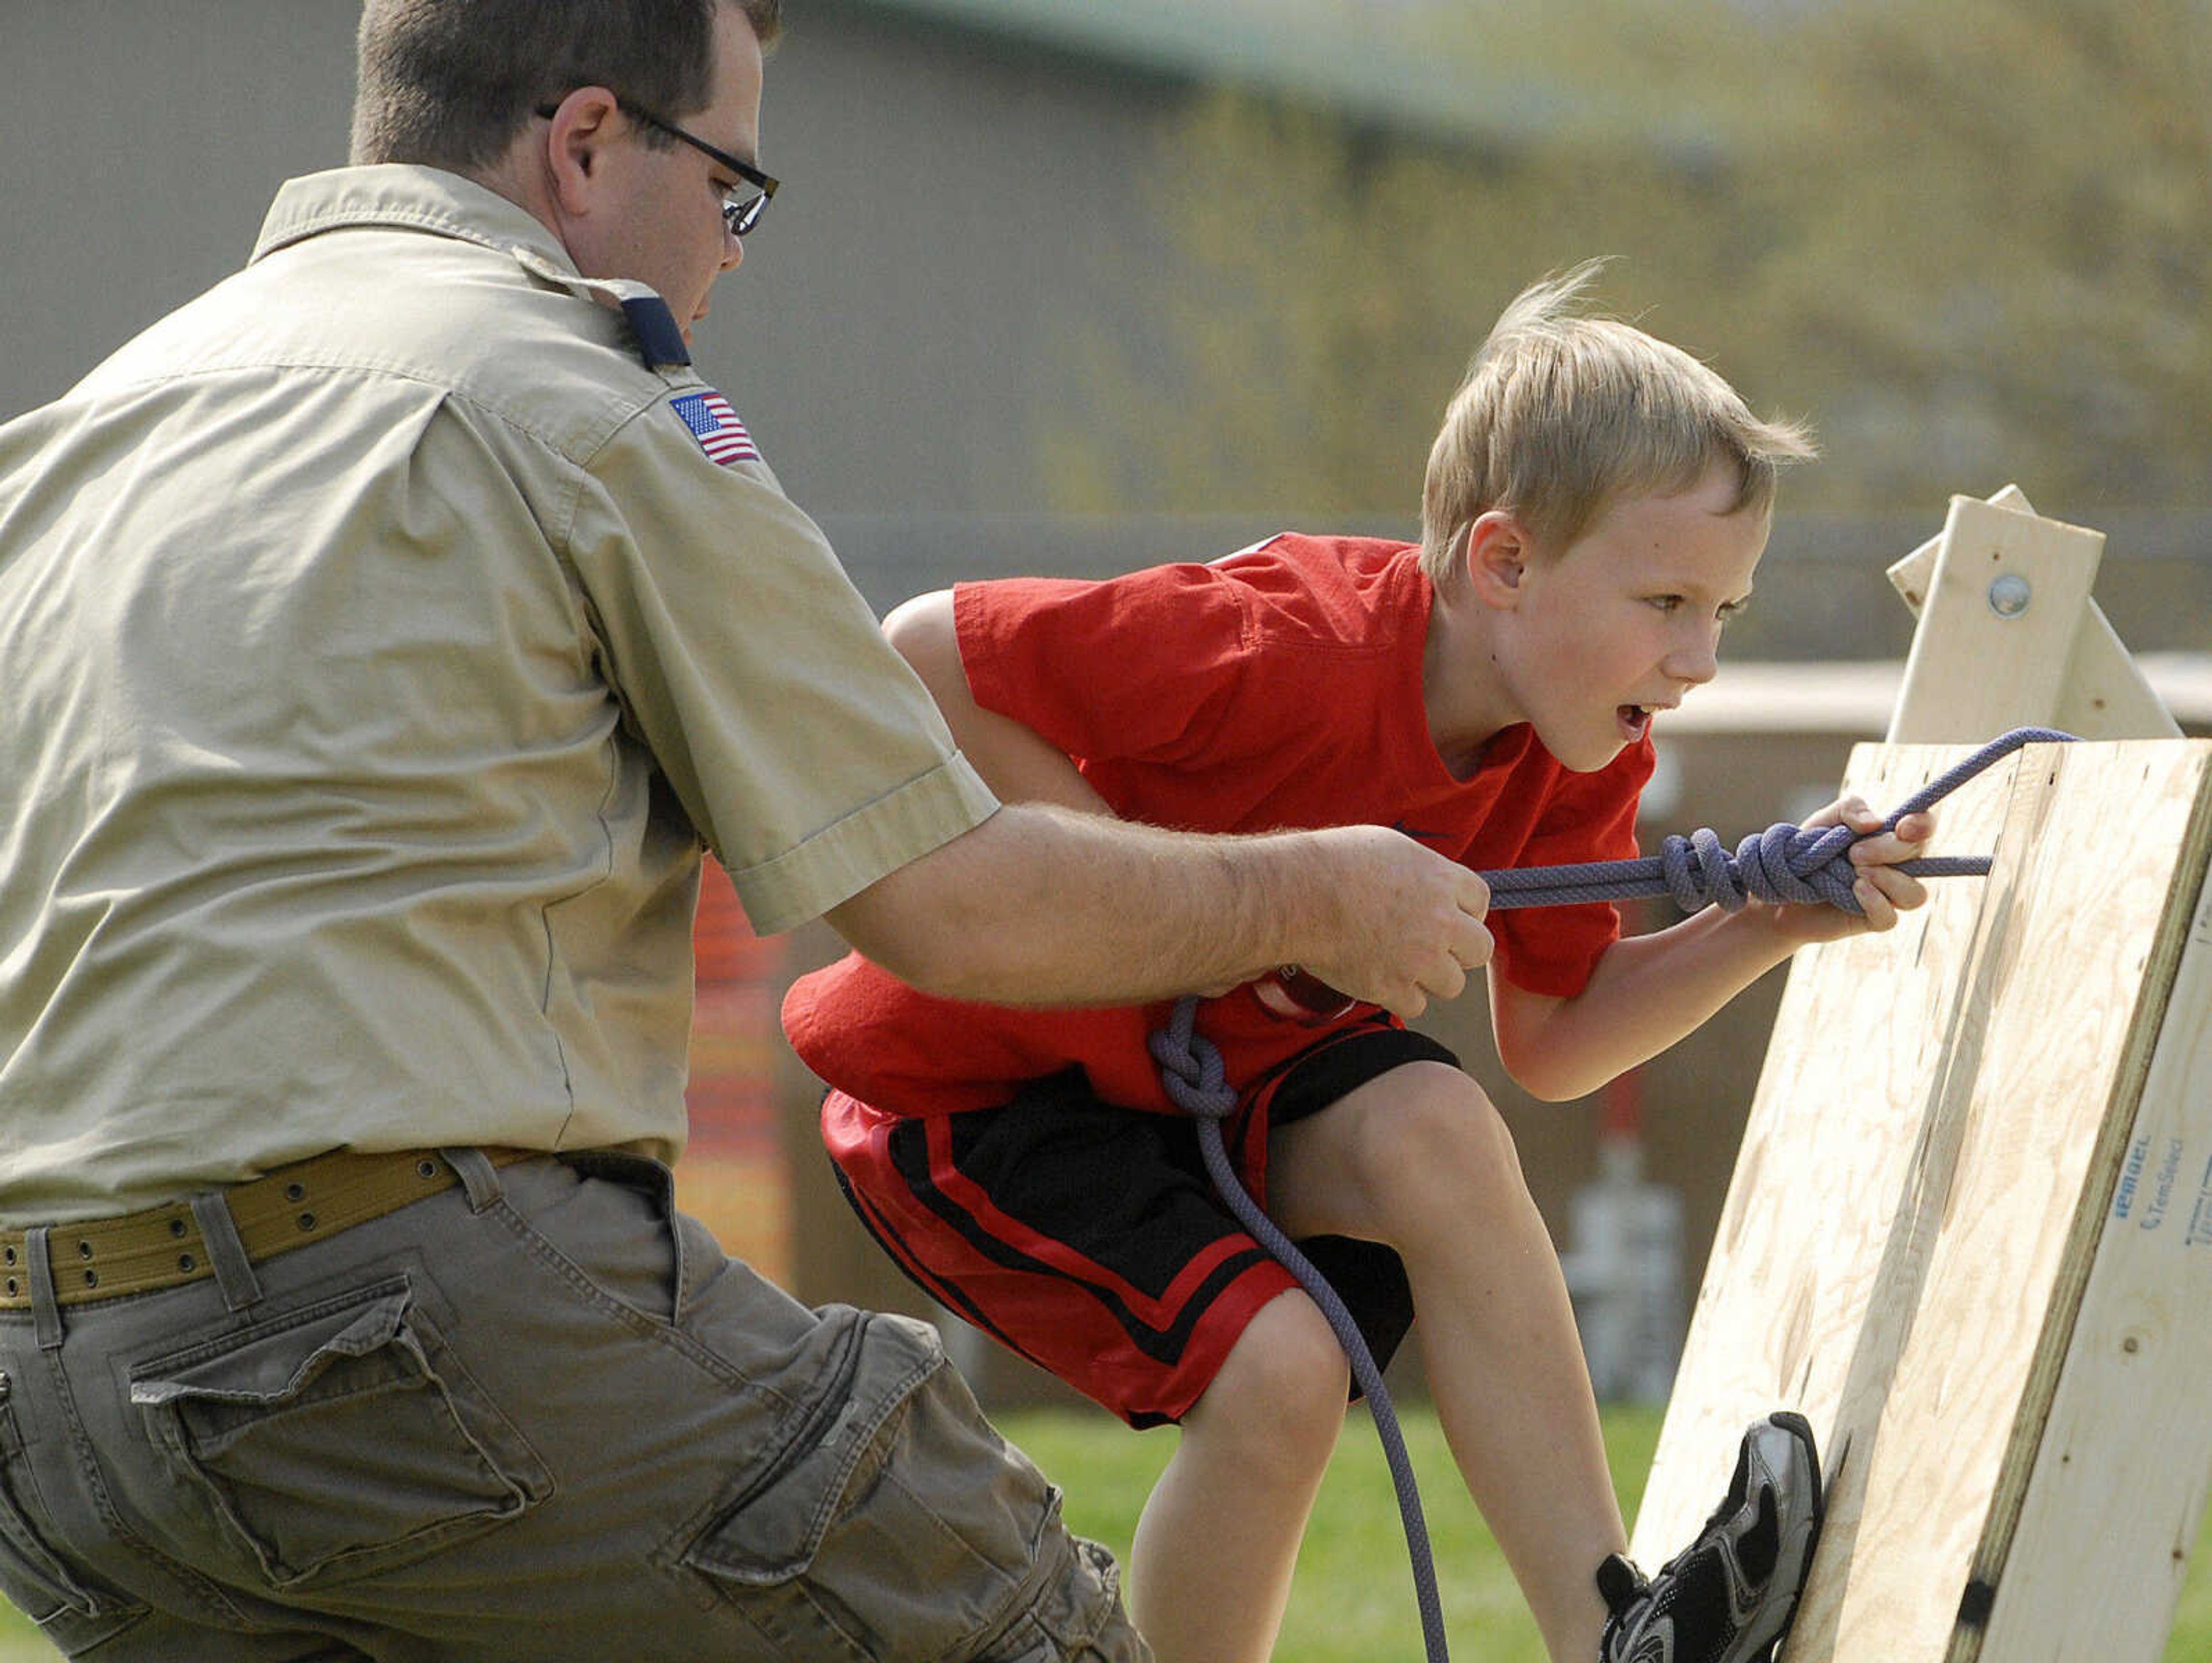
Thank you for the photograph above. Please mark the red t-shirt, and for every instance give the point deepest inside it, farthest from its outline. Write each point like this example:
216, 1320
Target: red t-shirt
1278, 688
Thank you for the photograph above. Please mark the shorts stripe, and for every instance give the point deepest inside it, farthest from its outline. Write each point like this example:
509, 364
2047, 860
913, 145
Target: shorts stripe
922, 1152
947, 1294
1088, 1238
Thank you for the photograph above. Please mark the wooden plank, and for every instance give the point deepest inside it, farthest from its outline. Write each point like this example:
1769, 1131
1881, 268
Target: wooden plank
1976, 667
1788, 1307
1906, 1243
2138, 1359
1913, 576
2071, 997
2103, 694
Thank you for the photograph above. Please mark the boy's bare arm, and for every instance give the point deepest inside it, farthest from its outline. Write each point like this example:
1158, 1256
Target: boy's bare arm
1014, 760
1650, 991
1038, 906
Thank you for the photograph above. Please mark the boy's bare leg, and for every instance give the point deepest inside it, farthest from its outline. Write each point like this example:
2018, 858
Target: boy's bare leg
1210, 1570
1419, 1158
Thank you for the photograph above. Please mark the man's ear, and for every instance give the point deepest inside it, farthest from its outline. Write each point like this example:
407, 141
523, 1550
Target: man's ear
582, 127
1496, 559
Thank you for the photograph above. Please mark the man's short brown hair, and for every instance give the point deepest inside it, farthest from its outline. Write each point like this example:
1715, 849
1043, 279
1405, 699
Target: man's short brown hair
447, 83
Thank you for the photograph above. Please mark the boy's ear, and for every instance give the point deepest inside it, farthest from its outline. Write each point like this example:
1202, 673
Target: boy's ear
1496, 559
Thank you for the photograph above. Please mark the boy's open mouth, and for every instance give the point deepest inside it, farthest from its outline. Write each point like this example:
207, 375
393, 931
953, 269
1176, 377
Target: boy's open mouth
1635, 719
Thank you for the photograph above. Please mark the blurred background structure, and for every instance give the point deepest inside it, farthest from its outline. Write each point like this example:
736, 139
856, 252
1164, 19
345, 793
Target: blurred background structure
1074, 286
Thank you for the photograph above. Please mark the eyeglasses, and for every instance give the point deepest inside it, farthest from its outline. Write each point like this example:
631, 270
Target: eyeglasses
742, 205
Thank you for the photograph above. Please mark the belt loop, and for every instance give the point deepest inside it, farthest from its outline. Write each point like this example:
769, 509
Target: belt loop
478, 1175
233, 1272
39, 1270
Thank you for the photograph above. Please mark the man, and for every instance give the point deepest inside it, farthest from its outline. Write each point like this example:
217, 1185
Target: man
387, 632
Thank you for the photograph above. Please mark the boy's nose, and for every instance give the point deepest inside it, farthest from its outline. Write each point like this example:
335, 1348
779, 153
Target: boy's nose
1695, 665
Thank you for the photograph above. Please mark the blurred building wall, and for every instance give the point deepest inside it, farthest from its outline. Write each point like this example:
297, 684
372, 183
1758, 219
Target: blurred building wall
961, 210
955, 204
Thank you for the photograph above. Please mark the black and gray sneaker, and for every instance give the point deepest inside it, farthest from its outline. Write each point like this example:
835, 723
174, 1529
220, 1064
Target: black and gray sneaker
1728, 1597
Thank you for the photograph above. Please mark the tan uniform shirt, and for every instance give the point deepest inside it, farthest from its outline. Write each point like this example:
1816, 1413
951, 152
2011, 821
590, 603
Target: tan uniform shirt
380, 646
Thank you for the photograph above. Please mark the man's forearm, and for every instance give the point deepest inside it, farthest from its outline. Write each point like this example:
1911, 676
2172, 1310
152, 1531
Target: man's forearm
1043, 906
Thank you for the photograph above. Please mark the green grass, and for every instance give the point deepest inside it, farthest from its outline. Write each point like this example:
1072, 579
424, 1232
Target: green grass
1352, 1601
1354, 1598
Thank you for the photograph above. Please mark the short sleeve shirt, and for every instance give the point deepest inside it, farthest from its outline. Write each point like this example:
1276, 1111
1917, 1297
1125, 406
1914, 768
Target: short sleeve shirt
386, 636
1280, 687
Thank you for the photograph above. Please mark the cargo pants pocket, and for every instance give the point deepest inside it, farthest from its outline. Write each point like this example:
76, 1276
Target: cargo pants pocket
899, 1527
70, 1608
339, 1439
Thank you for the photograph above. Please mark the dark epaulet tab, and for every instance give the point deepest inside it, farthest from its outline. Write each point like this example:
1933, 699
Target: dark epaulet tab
659, 342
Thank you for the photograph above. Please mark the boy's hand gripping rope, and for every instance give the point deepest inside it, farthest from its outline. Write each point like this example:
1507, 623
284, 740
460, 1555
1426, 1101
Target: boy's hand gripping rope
1783, 864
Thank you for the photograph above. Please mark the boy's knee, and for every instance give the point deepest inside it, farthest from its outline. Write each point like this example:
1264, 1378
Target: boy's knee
1284, 1382
1441, 1146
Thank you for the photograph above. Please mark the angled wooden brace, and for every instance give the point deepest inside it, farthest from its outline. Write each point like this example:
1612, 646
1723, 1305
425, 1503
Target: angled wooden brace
2008, 634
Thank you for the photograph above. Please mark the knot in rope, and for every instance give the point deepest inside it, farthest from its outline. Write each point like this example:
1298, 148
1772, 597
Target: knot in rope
1784, 863
1191, 1070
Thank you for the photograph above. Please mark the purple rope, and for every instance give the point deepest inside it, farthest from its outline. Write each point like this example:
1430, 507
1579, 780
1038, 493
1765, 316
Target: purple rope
1785, 863
1192, 1072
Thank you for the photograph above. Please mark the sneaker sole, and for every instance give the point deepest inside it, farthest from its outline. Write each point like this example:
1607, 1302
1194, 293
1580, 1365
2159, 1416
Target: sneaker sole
1806, 1468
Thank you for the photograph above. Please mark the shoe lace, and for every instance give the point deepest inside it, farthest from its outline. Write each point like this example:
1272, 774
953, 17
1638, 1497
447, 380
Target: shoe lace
1626, 1590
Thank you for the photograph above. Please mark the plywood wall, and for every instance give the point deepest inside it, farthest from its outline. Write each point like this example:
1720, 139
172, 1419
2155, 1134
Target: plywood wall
1957, 1123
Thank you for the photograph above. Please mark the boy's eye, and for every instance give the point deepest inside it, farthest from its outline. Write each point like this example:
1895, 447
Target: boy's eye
1726, 610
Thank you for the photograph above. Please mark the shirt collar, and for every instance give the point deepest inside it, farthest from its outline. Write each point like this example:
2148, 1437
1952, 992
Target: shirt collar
430, 199
411, 197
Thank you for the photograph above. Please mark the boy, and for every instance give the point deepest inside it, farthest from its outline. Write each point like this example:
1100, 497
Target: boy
1595, 507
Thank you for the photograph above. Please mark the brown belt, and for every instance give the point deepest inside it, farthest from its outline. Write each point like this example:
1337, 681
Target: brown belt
290, 1207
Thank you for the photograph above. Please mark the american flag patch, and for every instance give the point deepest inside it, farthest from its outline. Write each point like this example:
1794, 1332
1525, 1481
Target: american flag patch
716, 426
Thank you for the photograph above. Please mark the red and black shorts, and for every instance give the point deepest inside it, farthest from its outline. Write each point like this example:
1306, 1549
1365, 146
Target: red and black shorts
1088, 1238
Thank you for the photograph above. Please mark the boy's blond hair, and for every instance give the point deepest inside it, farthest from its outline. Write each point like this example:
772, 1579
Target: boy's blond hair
1562, 415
